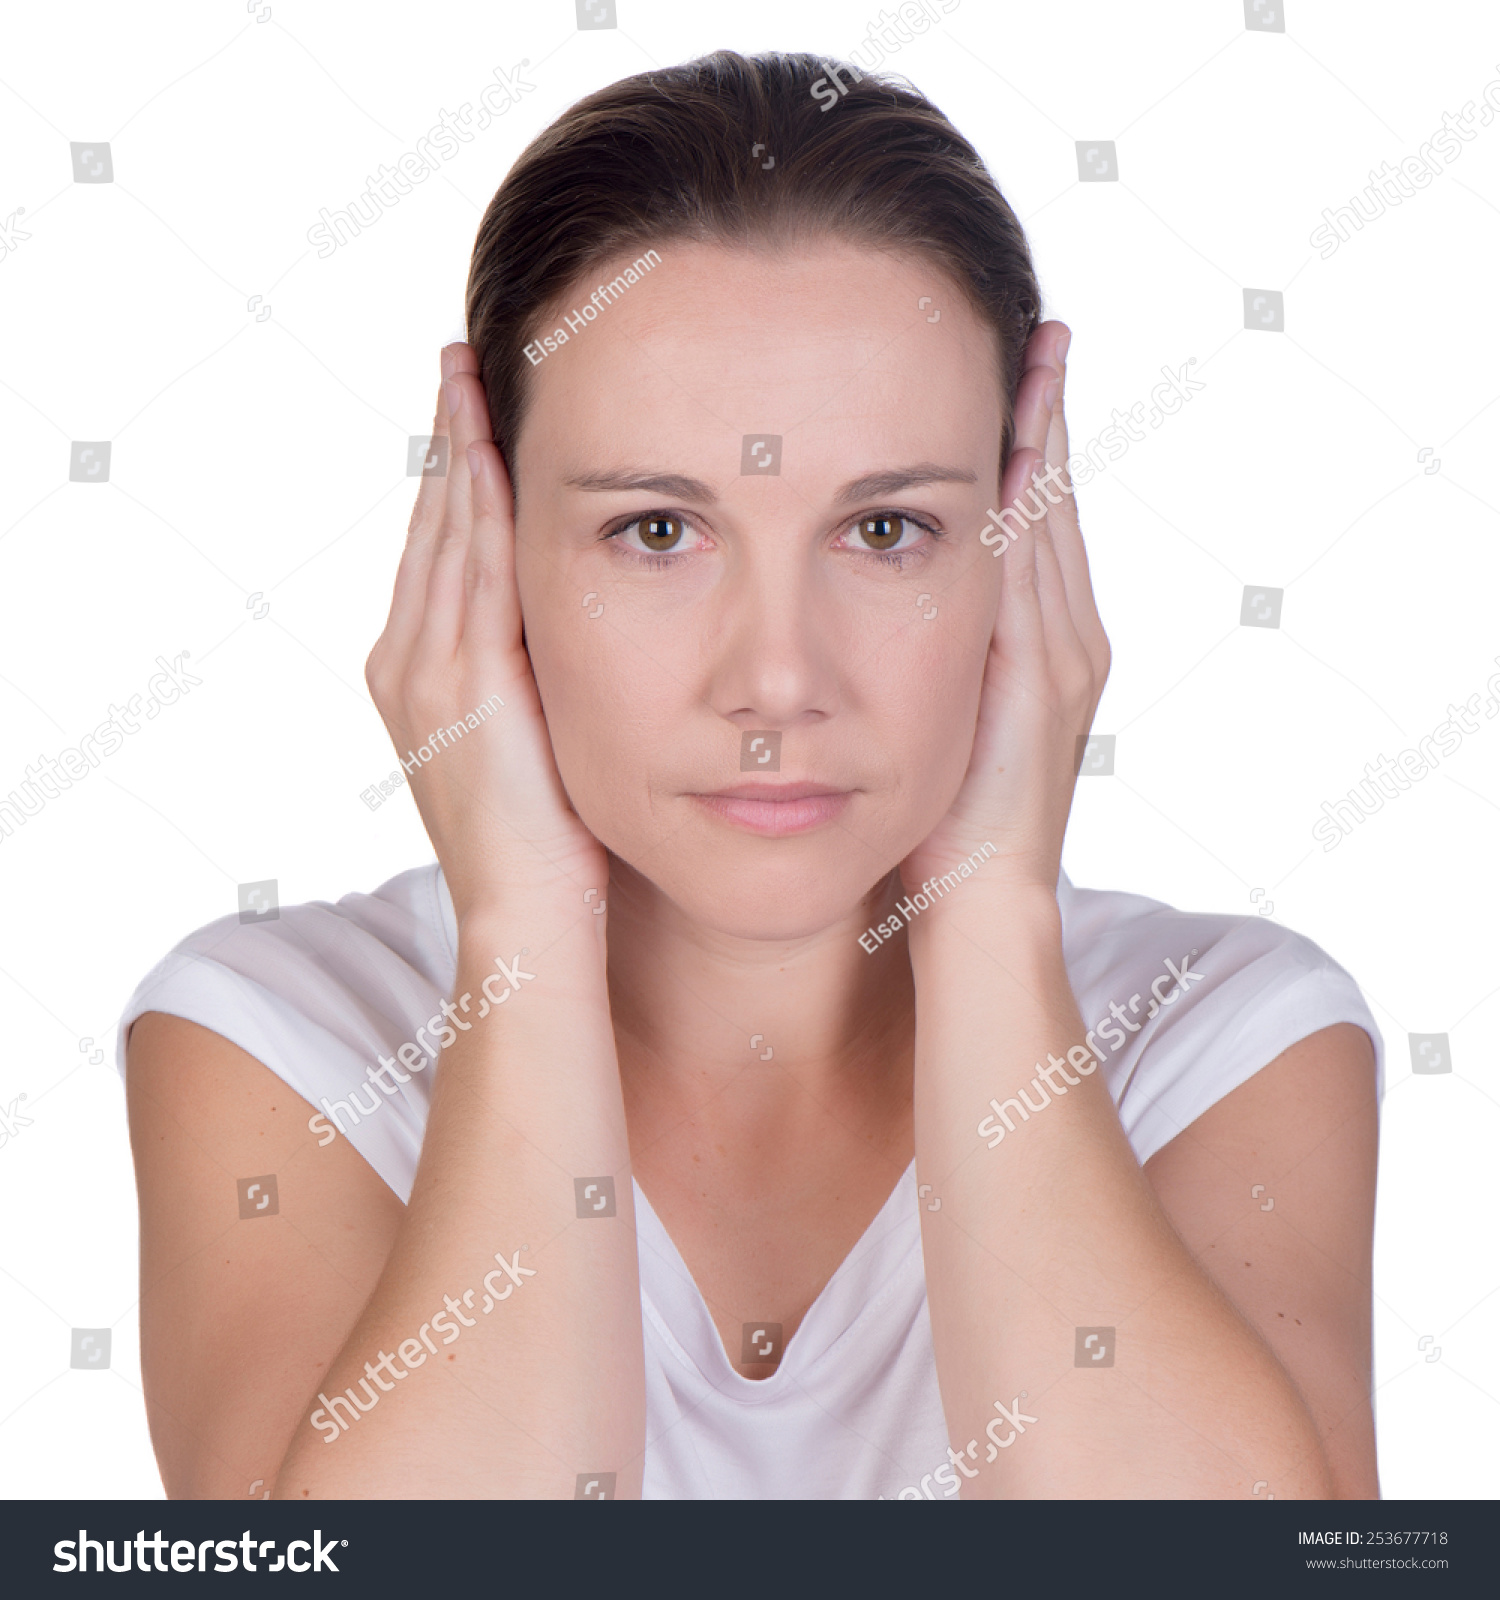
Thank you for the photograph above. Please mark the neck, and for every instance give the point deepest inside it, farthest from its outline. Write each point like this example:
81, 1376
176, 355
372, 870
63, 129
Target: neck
696, 1012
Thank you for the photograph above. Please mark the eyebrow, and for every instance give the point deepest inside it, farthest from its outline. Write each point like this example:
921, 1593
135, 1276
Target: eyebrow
678, 487
875, 484
672, 484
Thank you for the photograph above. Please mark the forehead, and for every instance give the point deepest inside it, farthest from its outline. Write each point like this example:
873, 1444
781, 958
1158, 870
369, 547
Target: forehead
831, 341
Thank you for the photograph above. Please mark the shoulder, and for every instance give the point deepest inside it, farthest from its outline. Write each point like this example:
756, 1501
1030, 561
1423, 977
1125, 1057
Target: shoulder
318, 993
1183, 1007
308, 956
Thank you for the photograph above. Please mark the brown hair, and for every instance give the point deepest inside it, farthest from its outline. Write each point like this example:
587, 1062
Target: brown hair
680, 153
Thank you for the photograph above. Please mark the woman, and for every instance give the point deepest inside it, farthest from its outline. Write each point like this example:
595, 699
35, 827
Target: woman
686, 1131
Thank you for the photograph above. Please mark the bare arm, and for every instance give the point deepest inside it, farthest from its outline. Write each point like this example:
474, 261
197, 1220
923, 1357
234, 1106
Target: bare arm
484, 1340
239, 1319
1057, 1230
245, 1322
516, 1400
1272, 1189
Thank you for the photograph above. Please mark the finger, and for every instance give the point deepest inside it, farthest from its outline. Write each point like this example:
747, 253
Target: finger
1050, 522
443, 618
427, 513
1025, 492
1035, 628
409, 595
1064, 642
1048, 349
1033, 416
1065, 537
1060, 572
493, 619
1018, 623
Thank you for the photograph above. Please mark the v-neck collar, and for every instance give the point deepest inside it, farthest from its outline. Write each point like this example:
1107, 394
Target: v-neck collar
672, 1299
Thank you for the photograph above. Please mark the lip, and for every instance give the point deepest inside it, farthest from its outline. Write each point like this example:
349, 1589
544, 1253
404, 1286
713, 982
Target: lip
776, 809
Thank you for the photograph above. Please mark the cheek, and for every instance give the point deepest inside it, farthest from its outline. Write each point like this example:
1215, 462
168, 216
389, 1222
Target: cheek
604, 702
928, 707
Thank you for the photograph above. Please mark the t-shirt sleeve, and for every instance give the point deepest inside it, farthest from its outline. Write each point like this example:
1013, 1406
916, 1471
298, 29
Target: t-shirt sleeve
319, 995
1184, 1008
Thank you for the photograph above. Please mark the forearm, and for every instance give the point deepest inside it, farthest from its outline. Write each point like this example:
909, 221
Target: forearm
1056, 1228
549, 1382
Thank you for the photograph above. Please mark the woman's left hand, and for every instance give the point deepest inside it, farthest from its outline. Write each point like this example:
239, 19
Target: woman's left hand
1047, 663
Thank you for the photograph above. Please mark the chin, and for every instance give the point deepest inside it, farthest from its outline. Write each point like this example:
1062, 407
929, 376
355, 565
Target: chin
742, 909
776, 890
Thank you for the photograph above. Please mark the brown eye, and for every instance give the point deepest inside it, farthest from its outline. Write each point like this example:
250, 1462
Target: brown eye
880, 533
660, 533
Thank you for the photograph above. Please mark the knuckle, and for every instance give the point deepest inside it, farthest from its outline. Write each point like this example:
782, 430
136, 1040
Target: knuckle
429, 508
1076, 680
481, 578
1024, 578
450, 534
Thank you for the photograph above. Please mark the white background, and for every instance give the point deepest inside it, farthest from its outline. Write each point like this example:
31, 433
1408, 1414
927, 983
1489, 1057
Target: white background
264, 461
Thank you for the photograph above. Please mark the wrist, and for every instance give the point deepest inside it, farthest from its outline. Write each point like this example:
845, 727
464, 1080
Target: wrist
497, 888
559, 933
995, 916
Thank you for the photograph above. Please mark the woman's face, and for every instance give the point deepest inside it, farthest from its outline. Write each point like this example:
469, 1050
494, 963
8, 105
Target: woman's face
750, 495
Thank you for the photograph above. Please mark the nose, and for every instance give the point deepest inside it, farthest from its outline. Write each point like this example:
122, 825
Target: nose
776, 642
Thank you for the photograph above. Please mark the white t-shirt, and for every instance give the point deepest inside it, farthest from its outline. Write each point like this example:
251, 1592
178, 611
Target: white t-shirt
853, 1411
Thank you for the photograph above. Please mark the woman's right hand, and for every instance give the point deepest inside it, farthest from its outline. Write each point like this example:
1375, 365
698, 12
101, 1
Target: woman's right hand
492, 801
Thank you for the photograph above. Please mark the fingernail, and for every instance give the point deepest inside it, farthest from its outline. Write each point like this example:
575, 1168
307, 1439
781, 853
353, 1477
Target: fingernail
1063, 343
475, 465
1049, 397
453, 395
448, 362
